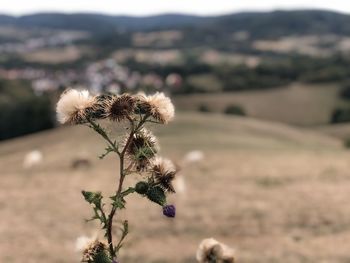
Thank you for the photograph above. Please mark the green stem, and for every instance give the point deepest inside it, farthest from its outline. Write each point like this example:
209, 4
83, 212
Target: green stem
104, 135
121, 181
122, 174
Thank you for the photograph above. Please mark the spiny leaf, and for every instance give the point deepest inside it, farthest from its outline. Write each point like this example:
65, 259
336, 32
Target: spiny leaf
118, 202
108, 150
125, 231
93, 197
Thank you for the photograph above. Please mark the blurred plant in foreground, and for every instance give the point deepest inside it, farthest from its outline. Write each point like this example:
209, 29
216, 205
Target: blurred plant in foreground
212, 251
136, 152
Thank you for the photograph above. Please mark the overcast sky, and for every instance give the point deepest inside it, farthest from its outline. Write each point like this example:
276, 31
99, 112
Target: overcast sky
148, 7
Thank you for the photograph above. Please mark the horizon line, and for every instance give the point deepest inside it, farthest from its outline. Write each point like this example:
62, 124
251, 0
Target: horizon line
242, 11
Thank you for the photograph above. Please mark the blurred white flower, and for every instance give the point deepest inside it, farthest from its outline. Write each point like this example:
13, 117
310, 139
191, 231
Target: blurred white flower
173, 80
211, 250
194, 156
32, 159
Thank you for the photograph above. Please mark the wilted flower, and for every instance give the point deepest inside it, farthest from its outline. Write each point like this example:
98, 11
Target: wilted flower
75, 106
119, 108
169, 210
157, 105
163, 172
142, 148
212, 251
94, 250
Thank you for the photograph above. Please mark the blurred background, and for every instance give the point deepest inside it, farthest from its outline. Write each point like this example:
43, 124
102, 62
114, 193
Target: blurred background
262, 94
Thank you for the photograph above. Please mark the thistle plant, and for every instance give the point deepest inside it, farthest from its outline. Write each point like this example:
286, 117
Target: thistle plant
137, 153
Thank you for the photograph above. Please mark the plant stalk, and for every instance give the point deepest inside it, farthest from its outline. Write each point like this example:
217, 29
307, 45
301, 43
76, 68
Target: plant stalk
122, 174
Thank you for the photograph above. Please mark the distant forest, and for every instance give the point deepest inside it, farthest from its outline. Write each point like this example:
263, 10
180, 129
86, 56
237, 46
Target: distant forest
258, 24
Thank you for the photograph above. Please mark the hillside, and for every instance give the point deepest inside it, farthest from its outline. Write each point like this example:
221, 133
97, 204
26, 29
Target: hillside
298, 103
341, 130
271, 191
98, 23
229, 132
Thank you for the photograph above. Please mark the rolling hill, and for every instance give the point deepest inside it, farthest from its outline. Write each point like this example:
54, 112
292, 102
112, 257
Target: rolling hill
298, 103
258, 24
273, 192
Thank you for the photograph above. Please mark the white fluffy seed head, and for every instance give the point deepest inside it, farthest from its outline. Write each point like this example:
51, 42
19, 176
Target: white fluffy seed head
72, 103
160, 106
164, 105
83, 242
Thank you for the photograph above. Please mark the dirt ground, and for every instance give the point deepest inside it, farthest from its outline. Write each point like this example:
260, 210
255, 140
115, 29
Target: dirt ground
272, 192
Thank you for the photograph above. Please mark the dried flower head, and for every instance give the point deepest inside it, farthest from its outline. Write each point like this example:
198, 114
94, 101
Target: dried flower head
210, 250
142, 148
163, 172
100, 106
157, 105
93, 250
119, 108
75, 106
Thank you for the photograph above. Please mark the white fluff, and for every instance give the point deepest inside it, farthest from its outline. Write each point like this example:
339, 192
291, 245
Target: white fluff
82, 242
164, 105
33, 158
72, 101
160, 104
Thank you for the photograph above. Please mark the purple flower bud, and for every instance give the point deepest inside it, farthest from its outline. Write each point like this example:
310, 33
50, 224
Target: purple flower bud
114, 261
169, 210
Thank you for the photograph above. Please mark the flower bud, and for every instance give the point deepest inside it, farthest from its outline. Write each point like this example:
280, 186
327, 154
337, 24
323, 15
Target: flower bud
156, 194
141, 188
169, 210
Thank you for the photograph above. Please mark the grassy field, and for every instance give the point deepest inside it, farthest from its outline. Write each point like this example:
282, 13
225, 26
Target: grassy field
57, 55
341, 130
273, 192
300, 104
